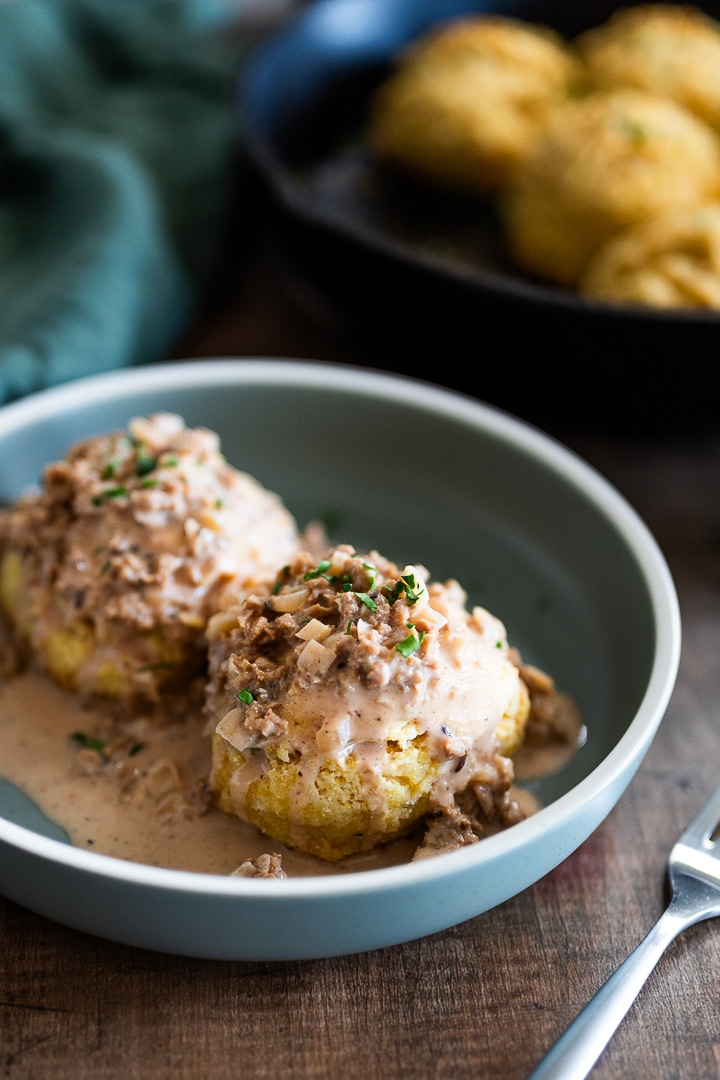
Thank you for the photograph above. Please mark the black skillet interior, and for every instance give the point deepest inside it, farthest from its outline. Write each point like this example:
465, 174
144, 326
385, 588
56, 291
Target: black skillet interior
421, 279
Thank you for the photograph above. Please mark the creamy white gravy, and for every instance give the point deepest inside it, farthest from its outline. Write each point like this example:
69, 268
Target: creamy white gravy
123, 810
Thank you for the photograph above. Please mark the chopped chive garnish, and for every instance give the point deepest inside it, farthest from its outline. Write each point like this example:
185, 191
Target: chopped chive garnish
320, 570
412, 590
89, 742
366, 600
105, 566
136, 748
116, 492
393, 592
372, 570
150, 483
411, 643
109, 470
246, 697
145, 463
408, 585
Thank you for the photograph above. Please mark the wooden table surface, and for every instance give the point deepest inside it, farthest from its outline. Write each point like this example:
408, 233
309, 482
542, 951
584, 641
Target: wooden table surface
482, 1000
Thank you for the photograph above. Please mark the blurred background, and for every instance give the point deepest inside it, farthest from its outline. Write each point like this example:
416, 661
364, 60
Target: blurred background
381, 270
184, 178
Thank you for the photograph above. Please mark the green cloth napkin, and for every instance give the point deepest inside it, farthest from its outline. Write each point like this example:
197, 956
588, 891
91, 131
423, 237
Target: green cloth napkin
116, 147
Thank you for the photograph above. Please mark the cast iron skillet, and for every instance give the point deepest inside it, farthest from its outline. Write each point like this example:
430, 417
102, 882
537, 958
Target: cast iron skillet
420, 278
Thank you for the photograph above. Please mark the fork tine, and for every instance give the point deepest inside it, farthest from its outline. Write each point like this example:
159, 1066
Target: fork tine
707, 820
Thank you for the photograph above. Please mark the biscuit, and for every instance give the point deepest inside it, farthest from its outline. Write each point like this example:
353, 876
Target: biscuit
351, 699
601, 165
110, 570
463, 106
671, 260
669, 51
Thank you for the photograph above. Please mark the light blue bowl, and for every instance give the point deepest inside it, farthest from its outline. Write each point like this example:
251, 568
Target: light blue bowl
425, 476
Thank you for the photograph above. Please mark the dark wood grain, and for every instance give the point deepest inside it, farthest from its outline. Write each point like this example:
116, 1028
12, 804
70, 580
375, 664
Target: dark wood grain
482, 1000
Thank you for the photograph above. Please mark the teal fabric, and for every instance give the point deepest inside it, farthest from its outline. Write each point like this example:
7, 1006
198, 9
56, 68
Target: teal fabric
116, 150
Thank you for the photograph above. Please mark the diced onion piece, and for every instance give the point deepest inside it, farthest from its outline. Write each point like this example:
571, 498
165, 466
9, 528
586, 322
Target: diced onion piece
314, 630
152, 519
333, 735
163, 778
338, 562
315, 658
221, 623
232, 729
365, 631
289, 601
430, 617
192, 619
209, 518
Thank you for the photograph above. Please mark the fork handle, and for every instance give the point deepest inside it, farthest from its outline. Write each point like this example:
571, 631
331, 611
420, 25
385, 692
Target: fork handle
576, 1052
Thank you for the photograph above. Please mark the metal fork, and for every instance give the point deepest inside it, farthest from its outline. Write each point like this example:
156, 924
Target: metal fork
694, 872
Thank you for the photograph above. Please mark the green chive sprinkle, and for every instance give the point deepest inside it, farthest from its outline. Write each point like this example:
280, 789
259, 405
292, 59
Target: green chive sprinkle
145, 463
410, 644
87, 741
367, 601
412, 590
320, 570
393, 592
372, 570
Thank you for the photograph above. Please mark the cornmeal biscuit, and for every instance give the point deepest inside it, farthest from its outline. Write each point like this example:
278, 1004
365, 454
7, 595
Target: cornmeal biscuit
463, 106
350, 699
671, 260
667, 50
109, 572
601, 165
